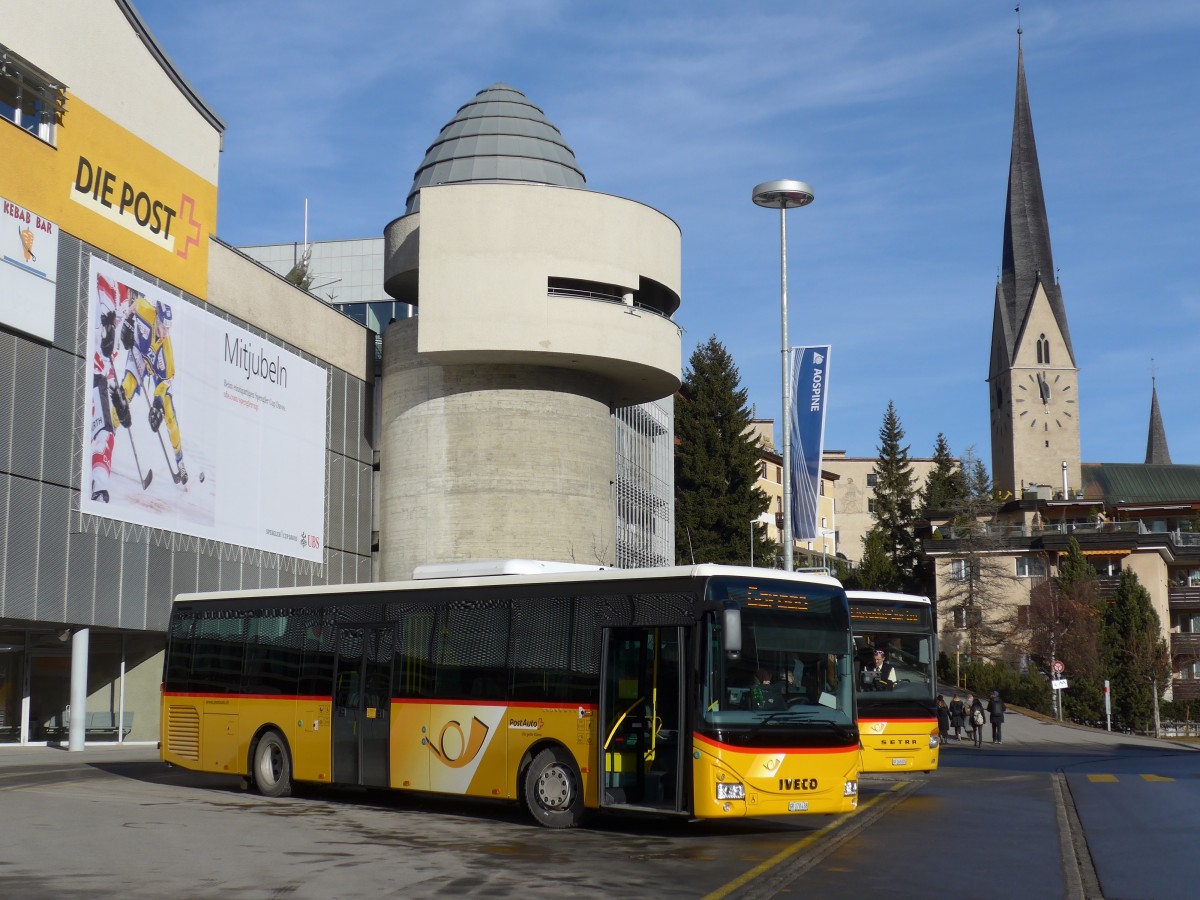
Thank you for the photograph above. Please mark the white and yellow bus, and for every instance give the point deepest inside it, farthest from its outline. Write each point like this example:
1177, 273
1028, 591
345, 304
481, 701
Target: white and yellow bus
896, 714
702, 691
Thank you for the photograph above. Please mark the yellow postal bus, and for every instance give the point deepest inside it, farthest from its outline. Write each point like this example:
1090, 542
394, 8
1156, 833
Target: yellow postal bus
700, 691
896, 677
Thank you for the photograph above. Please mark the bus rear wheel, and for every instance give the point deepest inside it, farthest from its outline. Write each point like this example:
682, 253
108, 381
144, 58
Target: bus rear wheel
272, 769
552, 789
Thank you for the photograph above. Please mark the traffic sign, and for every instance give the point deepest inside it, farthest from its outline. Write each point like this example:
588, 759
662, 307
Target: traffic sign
1059, 684
1058, 667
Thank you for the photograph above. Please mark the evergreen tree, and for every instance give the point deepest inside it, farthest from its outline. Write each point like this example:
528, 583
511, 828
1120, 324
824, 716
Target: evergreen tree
717, 465
875, 571
895, 493
945, 483
1135, 657
1065, 618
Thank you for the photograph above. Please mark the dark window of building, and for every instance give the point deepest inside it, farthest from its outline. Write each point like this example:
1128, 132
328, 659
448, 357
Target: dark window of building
29, 98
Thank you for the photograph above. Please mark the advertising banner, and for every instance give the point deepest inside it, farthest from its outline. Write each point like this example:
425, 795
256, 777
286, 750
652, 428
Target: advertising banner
28, 270
810, 394
198, 426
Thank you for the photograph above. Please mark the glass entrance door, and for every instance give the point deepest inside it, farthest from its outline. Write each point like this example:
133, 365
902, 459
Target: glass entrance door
641, 708
12, 685
362, 705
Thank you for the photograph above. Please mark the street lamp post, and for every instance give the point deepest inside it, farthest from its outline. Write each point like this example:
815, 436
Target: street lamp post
784, 195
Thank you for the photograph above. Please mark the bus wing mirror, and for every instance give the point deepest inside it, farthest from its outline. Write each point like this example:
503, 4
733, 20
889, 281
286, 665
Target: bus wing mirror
731, 632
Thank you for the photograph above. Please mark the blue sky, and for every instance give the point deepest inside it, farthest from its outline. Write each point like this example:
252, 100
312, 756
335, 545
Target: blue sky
898, 114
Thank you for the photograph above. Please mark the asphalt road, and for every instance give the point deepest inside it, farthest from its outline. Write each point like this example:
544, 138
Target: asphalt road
1053, 812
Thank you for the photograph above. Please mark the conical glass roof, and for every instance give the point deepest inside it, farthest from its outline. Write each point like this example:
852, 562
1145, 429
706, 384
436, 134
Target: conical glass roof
498, 136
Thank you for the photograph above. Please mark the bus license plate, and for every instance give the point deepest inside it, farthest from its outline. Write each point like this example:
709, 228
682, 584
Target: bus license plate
797, 806
897, 761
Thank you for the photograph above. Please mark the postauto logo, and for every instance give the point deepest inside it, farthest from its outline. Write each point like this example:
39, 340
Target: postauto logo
463, 748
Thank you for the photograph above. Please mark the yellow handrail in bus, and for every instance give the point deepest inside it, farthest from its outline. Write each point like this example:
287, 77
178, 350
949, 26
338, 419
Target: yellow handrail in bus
620, 719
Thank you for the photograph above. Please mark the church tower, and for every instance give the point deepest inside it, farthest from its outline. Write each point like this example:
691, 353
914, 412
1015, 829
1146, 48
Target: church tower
1032, 379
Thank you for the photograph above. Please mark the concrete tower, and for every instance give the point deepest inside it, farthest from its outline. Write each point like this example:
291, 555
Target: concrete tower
1033, 381
542, 306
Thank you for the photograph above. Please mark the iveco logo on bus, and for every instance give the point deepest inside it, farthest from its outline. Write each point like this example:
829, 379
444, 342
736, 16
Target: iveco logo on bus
797, 784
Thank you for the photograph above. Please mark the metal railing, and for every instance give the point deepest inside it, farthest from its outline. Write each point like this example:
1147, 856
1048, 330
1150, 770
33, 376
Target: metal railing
603, 297
962, 532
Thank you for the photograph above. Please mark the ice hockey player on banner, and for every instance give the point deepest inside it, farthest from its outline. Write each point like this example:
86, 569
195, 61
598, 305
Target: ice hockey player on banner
108, 402
146, 334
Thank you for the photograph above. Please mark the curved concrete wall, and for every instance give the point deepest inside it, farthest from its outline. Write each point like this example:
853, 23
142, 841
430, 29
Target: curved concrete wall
485, 461
483, 255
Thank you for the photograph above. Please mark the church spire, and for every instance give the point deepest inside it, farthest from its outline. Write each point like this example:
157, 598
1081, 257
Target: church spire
1156, 441
1027, 258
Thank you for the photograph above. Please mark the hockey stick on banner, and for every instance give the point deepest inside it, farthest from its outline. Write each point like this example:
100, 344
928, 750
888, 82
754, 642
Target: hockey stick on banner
175, 474
149, 472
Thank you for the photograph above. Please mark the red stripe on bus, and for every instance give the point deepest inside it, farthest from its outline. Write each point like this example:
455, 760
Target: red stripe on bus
304, 697
699, 738
899, 718
527, 704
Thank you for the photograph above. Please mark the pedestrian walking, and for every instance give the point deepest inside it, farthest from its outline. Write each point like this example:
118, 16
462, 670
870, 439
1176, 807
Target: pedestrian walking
996, 711
977, 721
943, 717
958, 715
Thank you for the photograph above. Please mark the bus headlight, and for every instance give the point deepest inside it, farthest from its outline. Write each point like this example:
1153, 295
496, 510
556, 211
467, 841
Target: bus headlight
934, 740
731, 791
850, 789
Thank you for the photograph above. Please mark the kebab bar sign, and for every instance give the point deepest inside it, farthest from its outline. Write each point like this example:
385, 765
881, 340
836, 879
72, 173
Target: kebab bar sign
28, 270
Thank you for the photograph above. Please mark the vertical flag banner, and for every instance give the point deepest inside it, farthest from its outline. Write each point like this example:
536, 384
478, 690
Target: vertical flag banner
810, 395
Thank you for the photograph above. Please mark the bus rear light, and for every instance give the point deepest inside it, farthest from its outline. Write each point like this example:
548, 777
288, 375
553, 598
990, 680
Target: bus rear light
731, 791
850, 789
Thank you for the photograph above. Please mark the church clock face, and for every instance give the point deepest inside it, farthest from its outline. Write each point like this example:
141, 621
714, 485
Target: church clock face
1046, 401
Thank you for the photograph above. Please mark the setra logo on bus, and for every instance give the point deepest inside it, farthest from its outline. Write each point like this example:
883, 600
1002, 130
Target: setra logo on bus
797, 784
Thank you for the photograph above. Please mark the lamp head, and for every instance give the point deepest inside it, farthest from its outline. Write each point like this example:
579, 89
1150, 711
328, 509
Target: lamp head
782, 194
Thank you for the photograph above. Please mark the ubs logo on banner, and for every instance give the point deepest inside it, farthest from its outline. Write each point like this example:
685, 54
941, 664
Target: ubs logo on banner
168, 223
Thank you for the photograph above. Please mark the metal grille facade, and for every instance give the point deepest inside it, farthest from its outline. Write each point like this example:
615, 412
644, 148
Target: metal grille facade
58, 565
645, 484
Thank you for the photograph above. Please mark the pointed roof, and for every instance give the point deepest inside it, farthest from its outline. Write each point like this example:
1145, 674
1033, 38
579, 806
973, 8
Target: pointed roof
498, 137
1156, 441
1027, 258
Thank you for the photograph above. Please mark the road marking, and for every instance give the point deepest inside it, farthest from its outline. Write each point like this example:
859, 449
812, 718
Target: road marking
1156, 778
807, 842
1098, 778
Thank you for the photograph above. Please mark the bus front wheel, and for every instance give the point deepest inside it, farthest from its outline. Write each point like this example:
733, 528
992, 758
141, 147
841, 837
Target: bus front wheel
272, 766
553, 790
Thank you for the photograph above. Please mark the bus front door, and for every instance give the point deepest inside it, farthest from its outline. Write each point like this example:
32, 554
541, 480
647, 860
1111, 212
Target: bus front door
641, 712
362, 706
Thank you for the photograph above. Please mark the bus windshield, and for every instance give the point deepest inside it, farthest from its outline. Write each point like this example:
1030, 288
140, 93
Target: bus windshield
795, 663
895, 653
